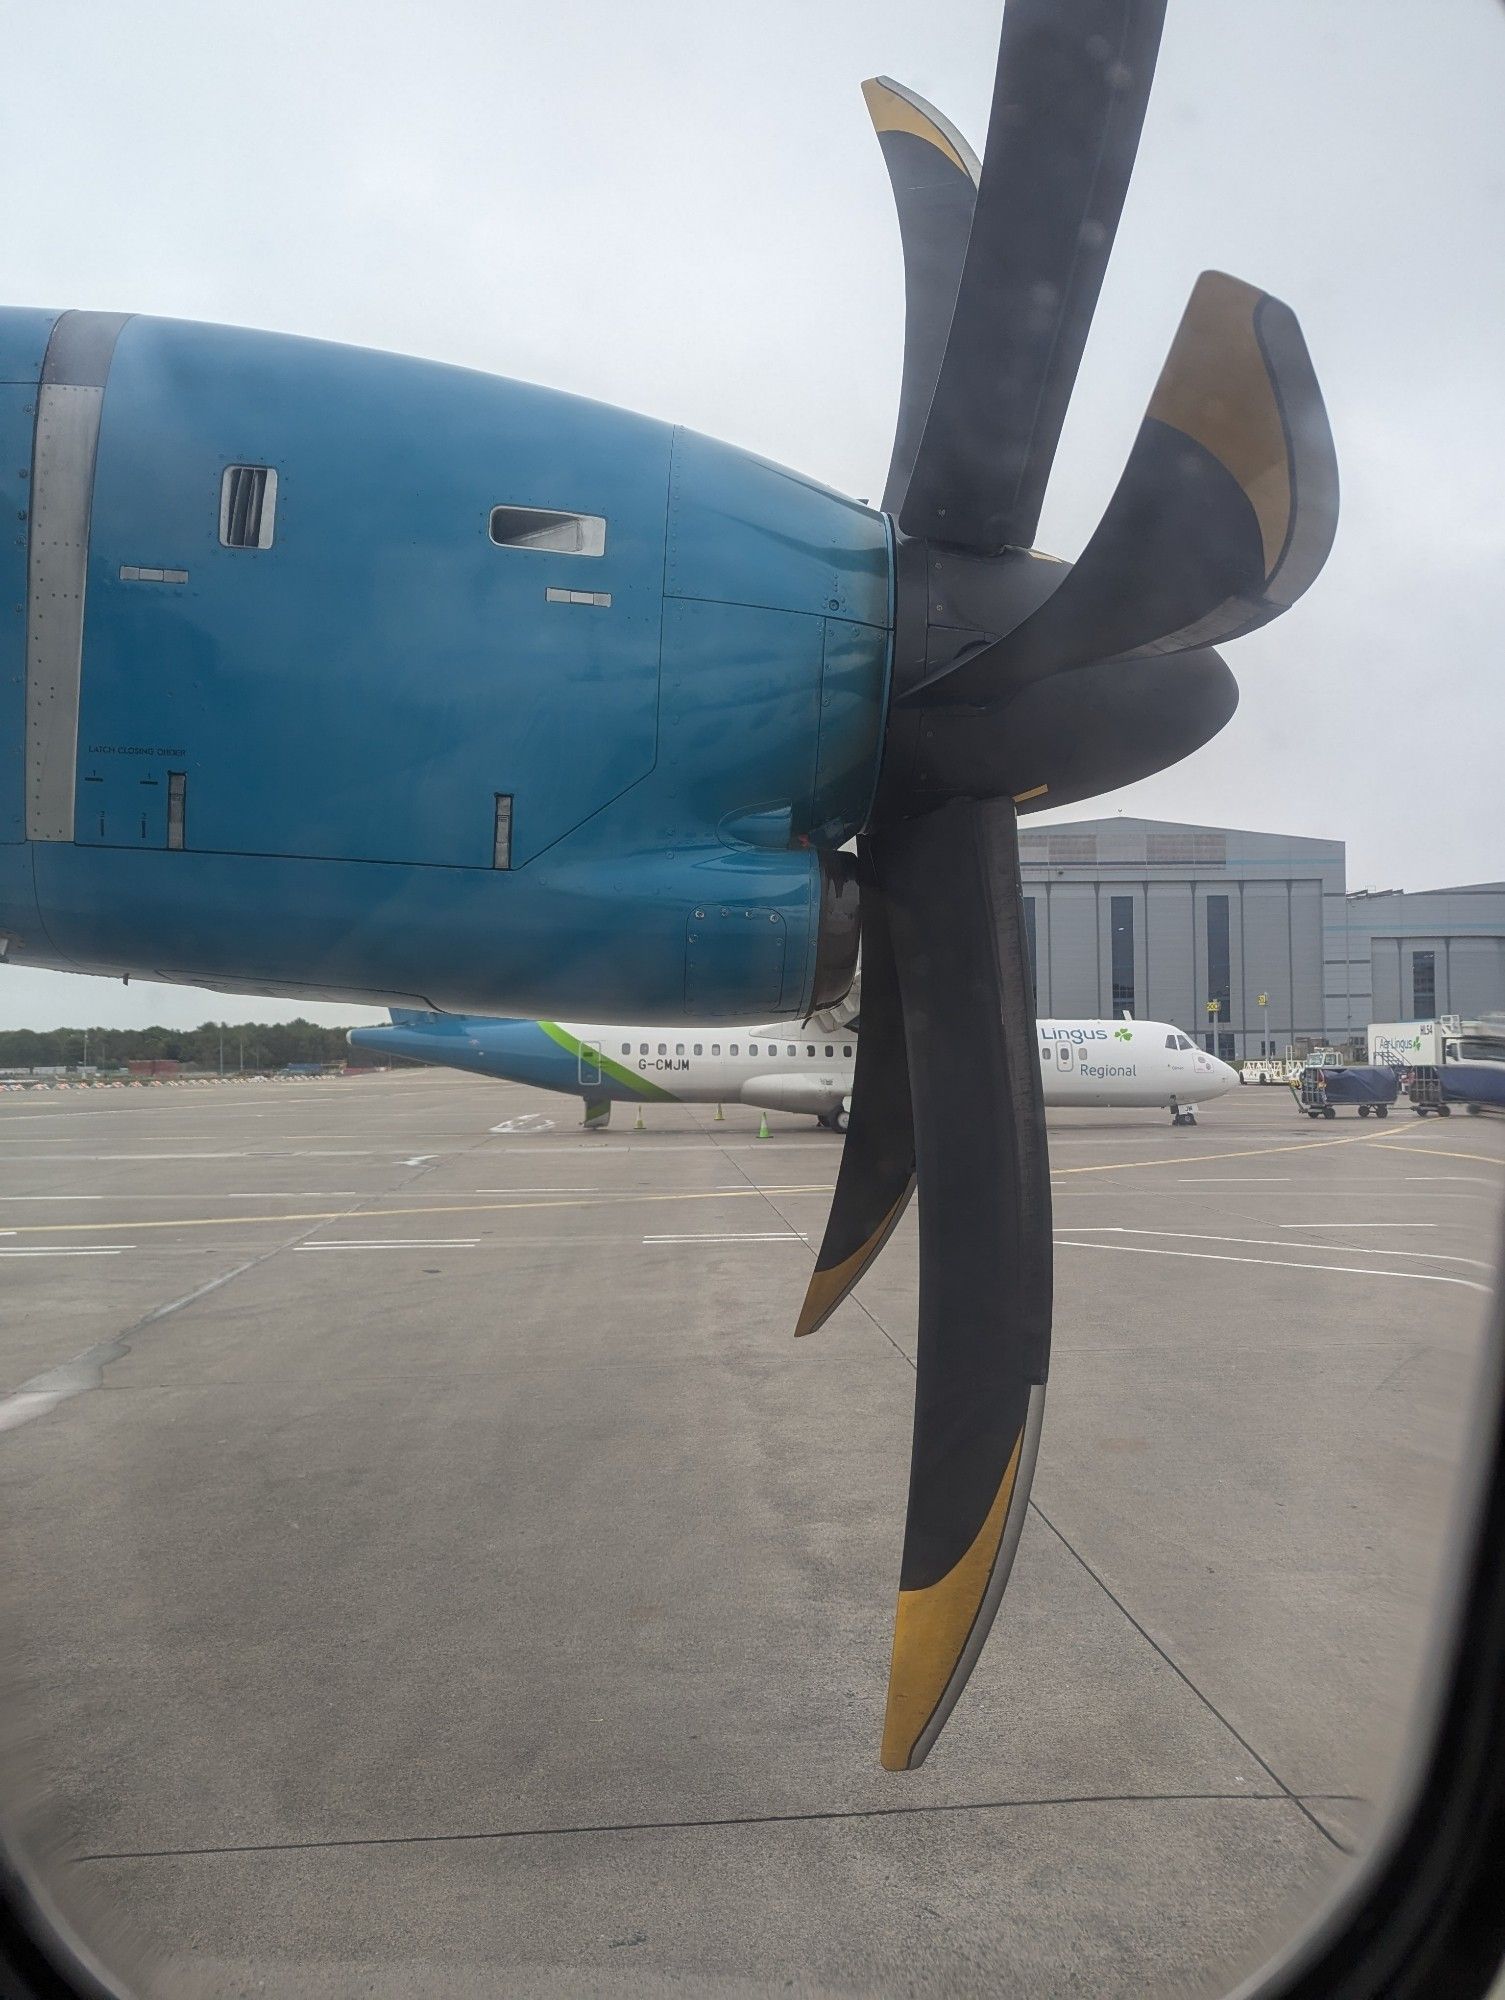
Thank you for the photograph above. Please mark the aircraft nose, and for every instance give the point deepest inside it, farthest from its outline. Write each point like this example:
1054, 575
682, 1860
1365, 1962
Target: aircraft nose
1227, 1075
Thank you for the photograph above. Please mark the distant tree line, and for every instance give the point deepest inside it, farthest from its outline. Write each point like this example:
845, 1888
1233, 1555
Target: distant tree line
252, 1045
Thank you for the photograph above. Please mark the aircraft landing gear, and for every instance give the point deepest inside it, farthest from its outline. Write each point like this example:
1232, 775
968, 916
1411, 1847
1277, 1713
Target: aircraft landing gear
1183, 1114
833, 1121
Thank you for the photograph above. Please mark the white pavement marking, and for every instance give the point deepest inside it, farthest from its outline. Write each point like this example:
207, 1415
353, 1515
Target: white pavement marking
1232, 1180
1359, 1225
97, 1159
1281, 1264
1269, 1243
420, 1159
396, 1243
77, 1250
727, 1236
538, 1190
57, 1197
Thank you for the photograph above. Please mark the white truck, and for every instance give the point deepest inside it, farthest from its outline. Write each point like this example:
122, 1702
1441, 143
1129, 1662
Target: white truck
1445, 1062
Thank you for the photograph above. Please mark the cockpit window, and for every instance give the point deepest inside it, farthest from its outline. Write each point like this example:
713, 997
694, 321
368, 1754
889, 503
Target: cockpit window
1170, 1041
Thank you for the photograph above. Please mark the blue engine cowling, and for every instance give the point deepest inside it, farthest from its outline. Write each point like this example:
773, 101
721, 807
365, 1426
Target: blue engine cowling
286, 705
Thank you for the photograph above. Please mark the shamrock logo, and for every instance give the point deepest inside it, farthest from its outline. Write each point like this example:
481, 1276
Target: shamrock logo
1123, 1034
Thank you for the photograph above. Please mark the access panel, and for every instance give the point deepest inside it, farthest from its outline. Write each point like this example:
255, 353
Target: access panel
350, 601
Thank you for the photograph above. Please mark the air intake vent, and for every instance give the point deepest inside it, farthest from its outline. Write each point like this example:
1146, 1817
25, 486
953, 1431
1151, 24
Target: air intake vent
247, 506
538, 528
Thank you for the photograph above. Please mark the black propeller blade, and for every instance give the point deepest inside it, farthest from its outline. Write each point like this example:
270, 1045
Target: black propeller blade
1018, 681
877, 1173
950, 886
1226, 510
1069, 98
934, 173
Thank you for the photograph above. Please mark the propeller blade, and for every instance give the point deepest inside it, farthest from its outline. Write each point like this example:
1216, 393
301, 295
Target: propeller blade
876, 1177
934, 174
1225, 513
956, 912
1067, 737
1069, 97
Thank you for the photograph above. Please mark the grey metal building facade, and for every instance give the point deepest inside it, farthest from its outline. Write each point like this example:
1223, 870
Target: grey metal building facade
1161, 918
1416, 953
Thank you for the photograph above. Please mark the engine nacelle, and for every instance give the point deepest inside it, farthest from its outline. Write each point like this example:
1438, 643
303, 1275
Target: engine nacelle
789, 1090
338, 674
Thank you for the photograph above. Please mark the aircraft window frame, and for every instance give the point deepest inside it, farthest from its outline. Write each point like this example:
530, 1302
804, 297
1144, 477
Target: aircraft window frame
1170, 1042
752, 1048
1185, 1042
627, 1048
791, 1048
663, 1048
810, 1048
734, 1048
679, 1048
547, 530
846, 1048
642, 1048
698, 1049
715, 1048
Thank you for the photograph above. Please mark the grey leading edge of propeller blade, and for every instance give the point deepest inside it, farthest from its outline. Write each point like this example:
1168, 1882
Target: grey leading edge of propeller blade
1069, 98
951, 887
877, 1173
1225, 513
934, 174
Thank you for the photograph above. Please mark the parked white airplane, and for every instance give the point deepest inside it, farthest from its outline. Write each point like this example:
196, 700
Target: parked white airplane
785, 1067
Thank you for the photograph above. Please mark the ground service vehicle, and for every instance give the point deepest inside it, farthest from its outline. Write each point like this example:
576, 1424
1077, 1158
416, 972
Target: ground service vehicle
1444, 1062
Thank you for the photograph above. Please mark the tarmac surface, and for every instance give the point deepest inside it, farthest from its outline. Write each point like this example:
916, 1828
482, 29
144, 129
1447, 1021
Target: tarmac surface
432, 1567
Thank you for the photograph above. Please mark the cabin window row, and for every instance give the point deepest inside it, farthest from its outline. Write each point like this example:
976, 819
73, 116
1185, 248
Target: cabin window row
734, 1048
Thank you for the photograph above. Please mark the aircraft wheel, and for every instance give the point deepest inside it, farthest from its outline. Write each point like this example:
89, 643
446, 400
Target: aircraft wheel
839, 1122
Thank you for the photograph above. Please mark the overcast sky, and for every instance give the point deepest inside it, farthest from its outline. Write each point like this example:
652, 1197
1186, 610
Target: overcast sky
682, 208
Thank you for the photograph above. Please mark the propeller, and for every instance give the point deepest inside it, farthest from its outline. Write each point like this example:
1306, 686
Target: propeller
1019, 681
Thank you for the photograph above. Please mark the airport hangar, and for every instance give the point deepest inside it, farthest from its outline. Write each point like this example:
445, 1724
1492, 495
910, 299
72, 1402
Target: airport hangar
1160, 918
